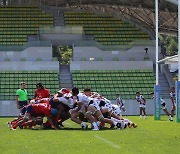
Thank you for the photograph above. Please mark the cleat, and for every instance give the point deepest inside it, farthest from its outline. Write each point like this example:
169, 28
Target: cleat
84, 127
112, 126
170, 119
134, 125
12, 129
21, 127
8, 124
119, 125
129, 125
95, 129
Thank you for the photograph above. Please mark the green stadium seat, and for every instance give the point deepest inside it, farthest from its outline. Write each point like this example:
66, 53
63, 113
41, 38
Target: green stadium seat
10, 82
111, 82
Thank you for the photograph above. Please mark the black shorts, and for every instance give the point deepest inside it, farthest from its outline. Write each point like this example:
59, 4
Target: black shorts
22, 103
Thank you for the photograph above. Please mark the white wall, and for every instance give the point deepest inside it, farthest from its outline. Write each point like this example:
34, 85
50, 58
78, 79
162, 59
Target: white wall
30, 54
30, 65
111, 65
137, 53
8, 108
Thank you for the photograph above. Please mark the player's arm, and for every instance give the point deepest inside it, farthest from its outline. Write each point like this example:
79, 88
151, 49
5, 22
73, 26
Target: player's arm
35, 95
50, 121
144, 100
17, 102
79, 105
56, 99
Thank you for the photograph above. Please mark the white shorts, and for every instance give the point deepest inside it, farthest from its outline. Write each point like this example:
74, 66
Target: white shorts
142, 105
82, 110
122, 107
163, 106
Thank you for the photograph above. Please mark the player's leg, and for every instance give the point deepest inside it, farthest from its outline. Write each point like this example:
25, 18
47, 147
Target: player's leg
101, 118
89, 114
140, 112
166, 111
173, 110
144, 112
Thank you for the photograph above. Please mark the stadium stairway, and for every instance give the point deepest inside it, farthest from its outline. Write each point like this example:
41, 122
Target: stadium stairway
57, 13
65, 77
165, 88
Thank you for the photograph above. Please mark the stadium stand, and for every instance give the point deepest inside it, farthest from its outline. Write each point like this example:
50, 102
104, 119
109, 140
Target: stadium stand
105, 29
10, 80
17, 22
111, 82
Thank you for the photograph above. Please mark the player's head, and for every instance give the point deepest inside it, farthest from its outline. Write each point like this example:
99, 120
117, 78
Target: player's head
75, 91
117, 95
173, 89
23, 85
87, 91
152, 95
39, 86
39, 120
137, 93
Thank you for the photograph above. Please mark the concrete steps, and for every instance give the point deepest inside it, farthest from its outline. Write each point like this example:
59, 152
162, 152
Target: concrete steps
65, 77
165, 88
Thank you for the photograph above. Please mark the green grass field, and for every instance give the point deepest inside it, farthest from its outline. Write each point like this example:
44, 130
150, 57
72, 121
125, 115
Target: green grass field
149, 137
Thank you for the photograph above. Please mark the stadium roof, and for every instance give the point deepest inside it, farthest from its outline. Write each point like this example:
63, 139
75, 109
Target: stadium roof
140, 12
170, 60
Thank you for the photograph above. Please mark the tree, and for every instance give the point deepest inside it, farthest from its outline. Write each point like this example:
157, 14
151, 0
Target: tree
65, 54
168, 44
172, 48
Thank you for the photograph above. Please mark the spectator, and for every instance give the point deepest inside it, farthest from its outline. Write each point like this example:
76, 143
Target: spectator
41, 92
21, 96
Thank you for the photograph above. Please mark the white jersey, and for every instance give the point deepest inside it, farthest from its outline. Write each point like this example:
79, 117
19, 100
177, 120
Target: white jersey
119, 101
140, 100
105, 105
94, 103
83, 99
116, 109
68, 102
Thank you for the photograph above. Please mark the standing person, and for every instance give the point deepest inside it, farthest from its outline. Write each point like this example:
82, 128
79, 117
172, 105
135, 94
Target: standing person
142, 104
120, 103
173, 100
41, 92
163, 106
21, 96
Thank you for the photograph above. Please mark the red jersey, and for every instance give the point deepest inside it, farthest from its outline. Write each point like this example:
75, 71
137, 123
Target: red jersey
43, 109
41, 93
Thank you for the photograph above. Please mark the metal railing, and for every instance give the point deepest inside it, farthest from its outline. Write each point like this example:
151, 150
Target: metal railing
114, 47
25, 46
61, 30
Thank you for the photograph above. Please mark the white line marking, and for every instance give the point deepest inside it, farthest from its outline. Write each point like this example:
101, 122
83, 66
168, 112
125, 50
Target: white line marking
108, 142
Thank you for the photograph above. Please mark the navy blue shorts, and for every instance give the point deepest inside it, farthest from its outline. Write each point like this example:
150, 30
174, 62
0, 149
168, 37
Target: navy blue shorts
29, 110
23, 111
22, 103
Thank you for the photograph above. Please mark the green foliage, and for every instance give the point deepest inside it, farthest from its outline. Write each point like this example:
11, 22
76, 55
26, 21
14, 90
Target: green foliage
7, 59
169, 45
65, 53
149, 137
